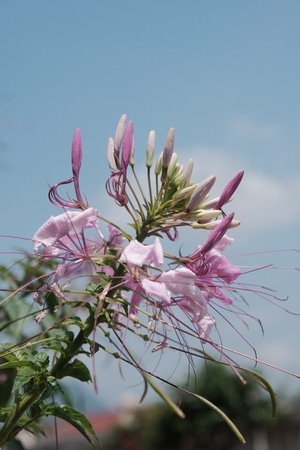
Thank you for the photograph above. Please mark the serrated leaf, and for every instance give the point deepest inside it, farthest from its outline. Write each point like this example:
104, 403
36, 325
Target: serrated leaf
6, 353
24, 375
74, 320
66, 336
56, 346
75, 418
16, 364
41, 358
77, 370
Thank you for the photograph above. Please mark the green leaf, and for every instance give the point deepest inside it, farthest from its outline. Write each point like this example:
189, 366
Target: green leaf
56, 346
24, 375
75, 418
218, 411
41, 358
30, 425
17, 364
162, 395
74, 320
7, 351
77, 370
266, 385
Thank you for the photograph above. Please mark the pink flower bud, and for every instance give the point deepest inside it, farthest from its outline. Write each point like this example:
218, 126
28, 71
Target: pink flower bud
216, 235
76, 152
127, 145
168, 148
229, 189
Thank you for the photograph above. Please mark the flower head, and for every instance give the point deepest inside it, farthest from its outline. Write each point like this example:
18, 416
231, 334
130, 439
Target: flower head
130, 272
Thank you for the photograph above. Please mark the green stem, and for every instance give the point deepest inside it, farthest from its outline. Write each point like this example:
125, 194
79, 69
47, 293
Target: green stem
91, 322
57, 370
10, 428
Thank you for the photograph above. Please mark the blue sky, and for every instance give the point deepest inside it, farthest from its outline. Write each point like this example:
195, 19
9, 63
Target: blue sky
224, 74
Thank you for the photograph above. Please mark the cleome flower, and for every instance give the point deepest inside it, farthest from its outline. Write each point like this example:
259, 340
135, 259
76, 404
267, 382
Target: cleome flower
127, 282
64, 239
131, 272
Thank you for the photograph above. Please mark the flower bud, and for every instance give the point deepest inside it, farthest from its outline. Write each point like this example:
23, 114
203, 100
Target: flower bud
229, 189
200, 193
204, 215
187, 173
212, 225
168, 148
127, 145
167, 154
76, 152
217, 234
185, 192
150, 149
120, 130
173, 166
110, 155
132, 161
158, 165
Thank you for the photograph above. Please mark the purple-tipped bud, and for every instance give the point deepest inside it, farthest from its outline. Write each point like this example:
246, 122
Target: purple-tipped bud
120, 130
76, 152
76, 164
150, 149
167, 154
200, 193
229, 189
127, 145
216, 235
168, 148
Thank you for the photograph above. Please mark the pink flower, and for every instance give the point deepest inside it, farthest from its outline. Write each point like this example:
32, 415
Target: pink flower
65, 225
170, 288
63, 238
212, 269
137, 254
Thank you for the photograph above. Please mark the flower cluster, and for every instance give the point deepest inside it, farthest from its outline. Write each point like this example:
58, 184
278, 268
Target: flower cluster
129, 272
94, 282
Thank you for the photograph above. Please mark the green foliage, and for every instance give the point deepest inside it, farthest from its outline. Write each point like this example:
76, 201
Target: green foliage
75, 418
29, 379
